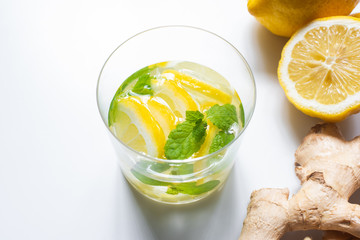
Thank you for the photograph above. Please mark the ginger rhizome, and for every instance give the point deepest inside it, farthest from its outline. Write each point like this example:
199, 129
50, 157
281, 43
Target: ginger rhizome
329, 170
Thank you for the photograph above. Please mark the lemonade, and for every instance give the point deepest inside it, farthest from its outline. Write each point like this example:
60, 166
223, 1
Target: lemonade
176, 112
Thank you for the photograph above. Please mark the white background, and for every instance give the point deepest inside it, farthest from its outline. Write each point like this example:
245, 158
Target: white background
58, 173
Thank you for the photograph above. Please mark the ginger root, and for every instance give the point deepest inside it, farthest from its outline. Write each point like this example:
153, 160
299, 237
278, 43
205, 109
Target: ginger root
329, 170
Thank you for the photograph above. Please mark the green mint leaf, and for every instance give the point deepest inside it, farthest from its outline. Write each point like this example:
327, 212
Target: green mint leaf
159, 167
143, 85
120, 92
147, 180
183, 169
191, 188
172, 190
222, 116
220, 140
186, 138
194, 116
133, 77
242, 115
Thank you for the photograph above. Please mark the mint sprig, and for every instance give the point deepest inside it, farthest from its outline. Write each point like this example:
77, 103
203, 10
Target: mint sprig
183, 169
187, 137
222, 116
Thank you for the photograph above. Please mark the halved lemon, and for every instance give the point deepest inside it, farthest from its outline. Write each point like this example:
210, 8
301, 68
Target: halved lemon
319, 68
136, 127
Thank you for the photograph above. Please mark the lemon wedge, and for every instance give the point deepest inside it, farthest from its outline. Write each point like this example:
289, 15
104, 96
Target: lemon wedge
136, 127
319, 68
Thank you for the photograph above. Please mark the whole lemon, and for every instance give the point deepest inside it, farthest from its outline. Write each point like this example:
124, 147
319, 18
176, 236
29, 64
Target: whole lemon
285, 17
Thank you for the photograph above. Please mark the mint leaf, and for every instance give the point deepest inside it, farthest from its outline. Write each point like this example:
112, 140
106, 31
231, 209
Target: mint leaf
220, 140
147, 180
143, 85
134, 76
159, 167
222, 116
172, 190
242, 115
194, 116
183, 169
191, 188
187, 137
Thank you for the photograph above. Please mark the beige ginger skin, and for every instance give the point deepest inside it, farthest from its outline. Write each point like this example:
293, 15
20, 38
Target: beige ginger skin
329, 170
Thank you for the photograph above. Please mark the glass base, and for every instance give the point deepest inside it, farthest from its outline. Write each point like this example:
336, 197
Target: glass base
158, 193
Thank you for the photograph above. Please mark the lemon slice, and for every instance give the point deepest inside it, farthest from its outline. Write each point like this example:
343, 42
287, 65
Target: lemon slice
175, 97
198, 87
319, 68
163, 114
135, 126
211, 131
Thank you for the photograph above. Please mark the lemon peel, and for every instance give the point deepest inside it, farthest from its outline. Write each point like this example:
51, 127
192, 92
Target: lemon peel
284, 18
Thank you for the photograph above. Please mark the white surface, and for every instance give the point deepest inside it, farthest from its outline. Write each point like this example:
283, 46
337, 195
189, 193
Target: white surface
58, 173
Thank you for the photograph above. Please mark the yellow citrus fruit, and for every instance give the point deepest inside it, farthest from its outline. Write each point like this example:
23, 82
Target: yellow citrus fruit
319, 68
162, 113
175, 96
195, 85
285, 17
136, 126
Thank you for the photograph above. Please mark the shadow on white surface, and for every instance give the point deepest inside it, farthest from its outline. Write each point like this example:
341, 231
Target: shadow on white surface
299, 122
270, 47
350, 127
214, 217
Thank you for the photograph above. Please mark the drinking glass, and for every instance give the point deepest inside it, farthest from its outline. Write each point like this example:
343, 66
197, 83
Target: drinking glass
161, 179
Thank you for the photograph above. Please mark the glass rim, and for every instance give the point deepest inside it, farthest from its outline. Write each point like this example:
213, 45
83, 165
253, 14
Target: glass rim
189, 160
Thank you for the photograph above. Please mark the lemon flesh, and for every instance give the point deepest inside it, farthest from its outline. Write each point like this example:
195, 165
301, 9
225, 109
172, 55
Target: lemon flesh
175, 96
320, 68
136, 127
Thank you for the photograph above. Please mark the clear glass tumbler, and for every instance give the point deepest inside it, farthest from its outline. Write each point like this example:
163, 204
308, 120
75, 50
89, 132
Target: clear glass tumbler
160, 179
